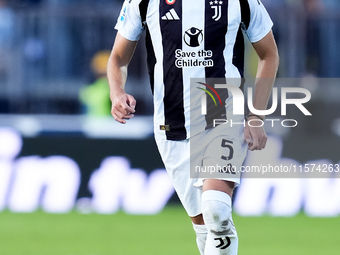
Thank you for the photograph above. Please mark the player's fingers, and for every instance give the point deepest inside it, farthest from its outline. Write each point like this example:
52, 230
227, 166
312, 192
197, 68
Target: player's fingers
250, 146
254, 145
247, 135
259, 143
263, 141
129, 116
117, 118
258, 137
122, 108
131, 102
250, 139
127, 106
122, 105
120, 117
126, 109
261, 138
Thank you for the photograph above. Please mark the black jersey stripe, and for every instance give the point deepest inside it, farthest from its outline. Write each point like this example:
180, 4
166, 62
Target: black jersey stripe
143, 8
245, 13
216, 42
171, 31
151, 58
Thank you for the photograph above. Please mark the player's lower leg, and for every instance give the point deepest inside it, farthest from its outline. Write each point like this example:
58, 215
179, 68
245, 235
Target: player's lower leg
222, 236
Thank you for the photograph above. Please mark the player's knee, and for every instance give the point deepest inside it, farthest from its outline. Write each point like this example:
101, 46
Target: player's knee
216, 208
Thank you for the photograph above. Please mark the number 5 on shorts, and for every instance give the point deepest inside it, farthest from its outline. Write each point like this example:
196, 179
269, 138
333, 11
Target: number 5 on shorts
226, 144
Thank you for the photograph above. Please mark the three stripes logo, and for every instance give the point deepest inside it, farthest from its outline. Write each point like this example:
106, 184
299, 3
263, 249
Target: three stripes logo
204, 97
171, 15
224, 244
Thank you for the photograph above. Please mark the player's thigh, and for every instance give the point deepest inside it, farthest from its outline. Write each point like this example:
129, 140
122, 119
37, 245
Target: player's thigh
176, 158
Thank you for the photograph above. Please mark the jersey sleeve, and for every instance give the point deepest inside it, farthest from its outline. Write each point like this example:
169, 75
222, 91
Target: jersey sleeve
129, 23
260, 22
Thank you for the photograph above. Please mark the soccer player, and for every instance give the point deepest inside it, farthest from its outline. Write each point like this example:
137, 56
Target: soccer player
188, 39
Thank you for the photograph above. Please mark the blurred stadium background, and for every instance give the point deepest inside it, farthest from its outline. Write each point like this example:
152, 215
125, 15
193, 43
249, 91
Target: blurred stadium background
72, 181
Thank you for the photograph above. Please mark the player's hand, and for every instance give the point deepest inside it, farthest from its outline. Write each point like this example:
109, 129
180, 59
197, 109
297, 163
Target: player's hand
255, 137
123, 106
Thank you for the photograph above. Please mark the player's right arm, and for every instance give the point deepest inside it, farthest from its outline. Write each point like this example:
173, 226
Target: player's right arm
123, 104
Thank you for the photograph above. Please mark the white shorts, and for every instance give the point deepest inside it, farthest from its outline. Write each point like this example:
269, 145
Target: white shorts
216, 153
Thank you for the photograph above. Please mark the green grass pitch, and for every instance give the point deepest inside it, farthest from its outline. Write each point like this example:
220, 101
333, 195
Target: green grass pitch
167, 233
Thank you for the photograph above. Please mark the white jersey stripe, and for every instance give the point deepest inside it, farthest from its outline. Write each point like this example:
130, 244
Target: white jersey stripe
197, 23
156, 36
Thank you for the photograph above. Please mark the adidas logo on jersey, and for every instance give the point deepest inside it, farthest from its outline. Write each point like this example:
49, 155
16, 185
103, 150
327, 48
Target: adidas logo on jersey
171, 15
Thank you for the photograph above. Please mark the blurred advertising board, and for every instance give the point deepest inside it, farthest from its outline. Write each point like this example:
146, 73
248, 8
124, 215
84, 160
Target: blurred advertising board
59, 163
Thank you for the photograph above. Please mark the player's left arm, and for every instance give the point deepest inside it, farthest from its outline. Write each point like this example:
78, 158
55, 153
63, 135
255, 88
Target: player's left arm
268, 63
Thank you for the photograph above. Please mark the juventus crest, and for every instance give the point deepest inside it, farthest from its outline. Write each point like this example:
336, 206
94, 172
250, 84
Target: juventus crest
216, 5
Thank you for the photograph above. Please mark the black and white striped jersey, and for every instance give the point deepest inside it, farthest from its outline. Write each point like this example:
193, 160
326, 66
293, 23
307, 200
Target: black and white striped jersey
190, 39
